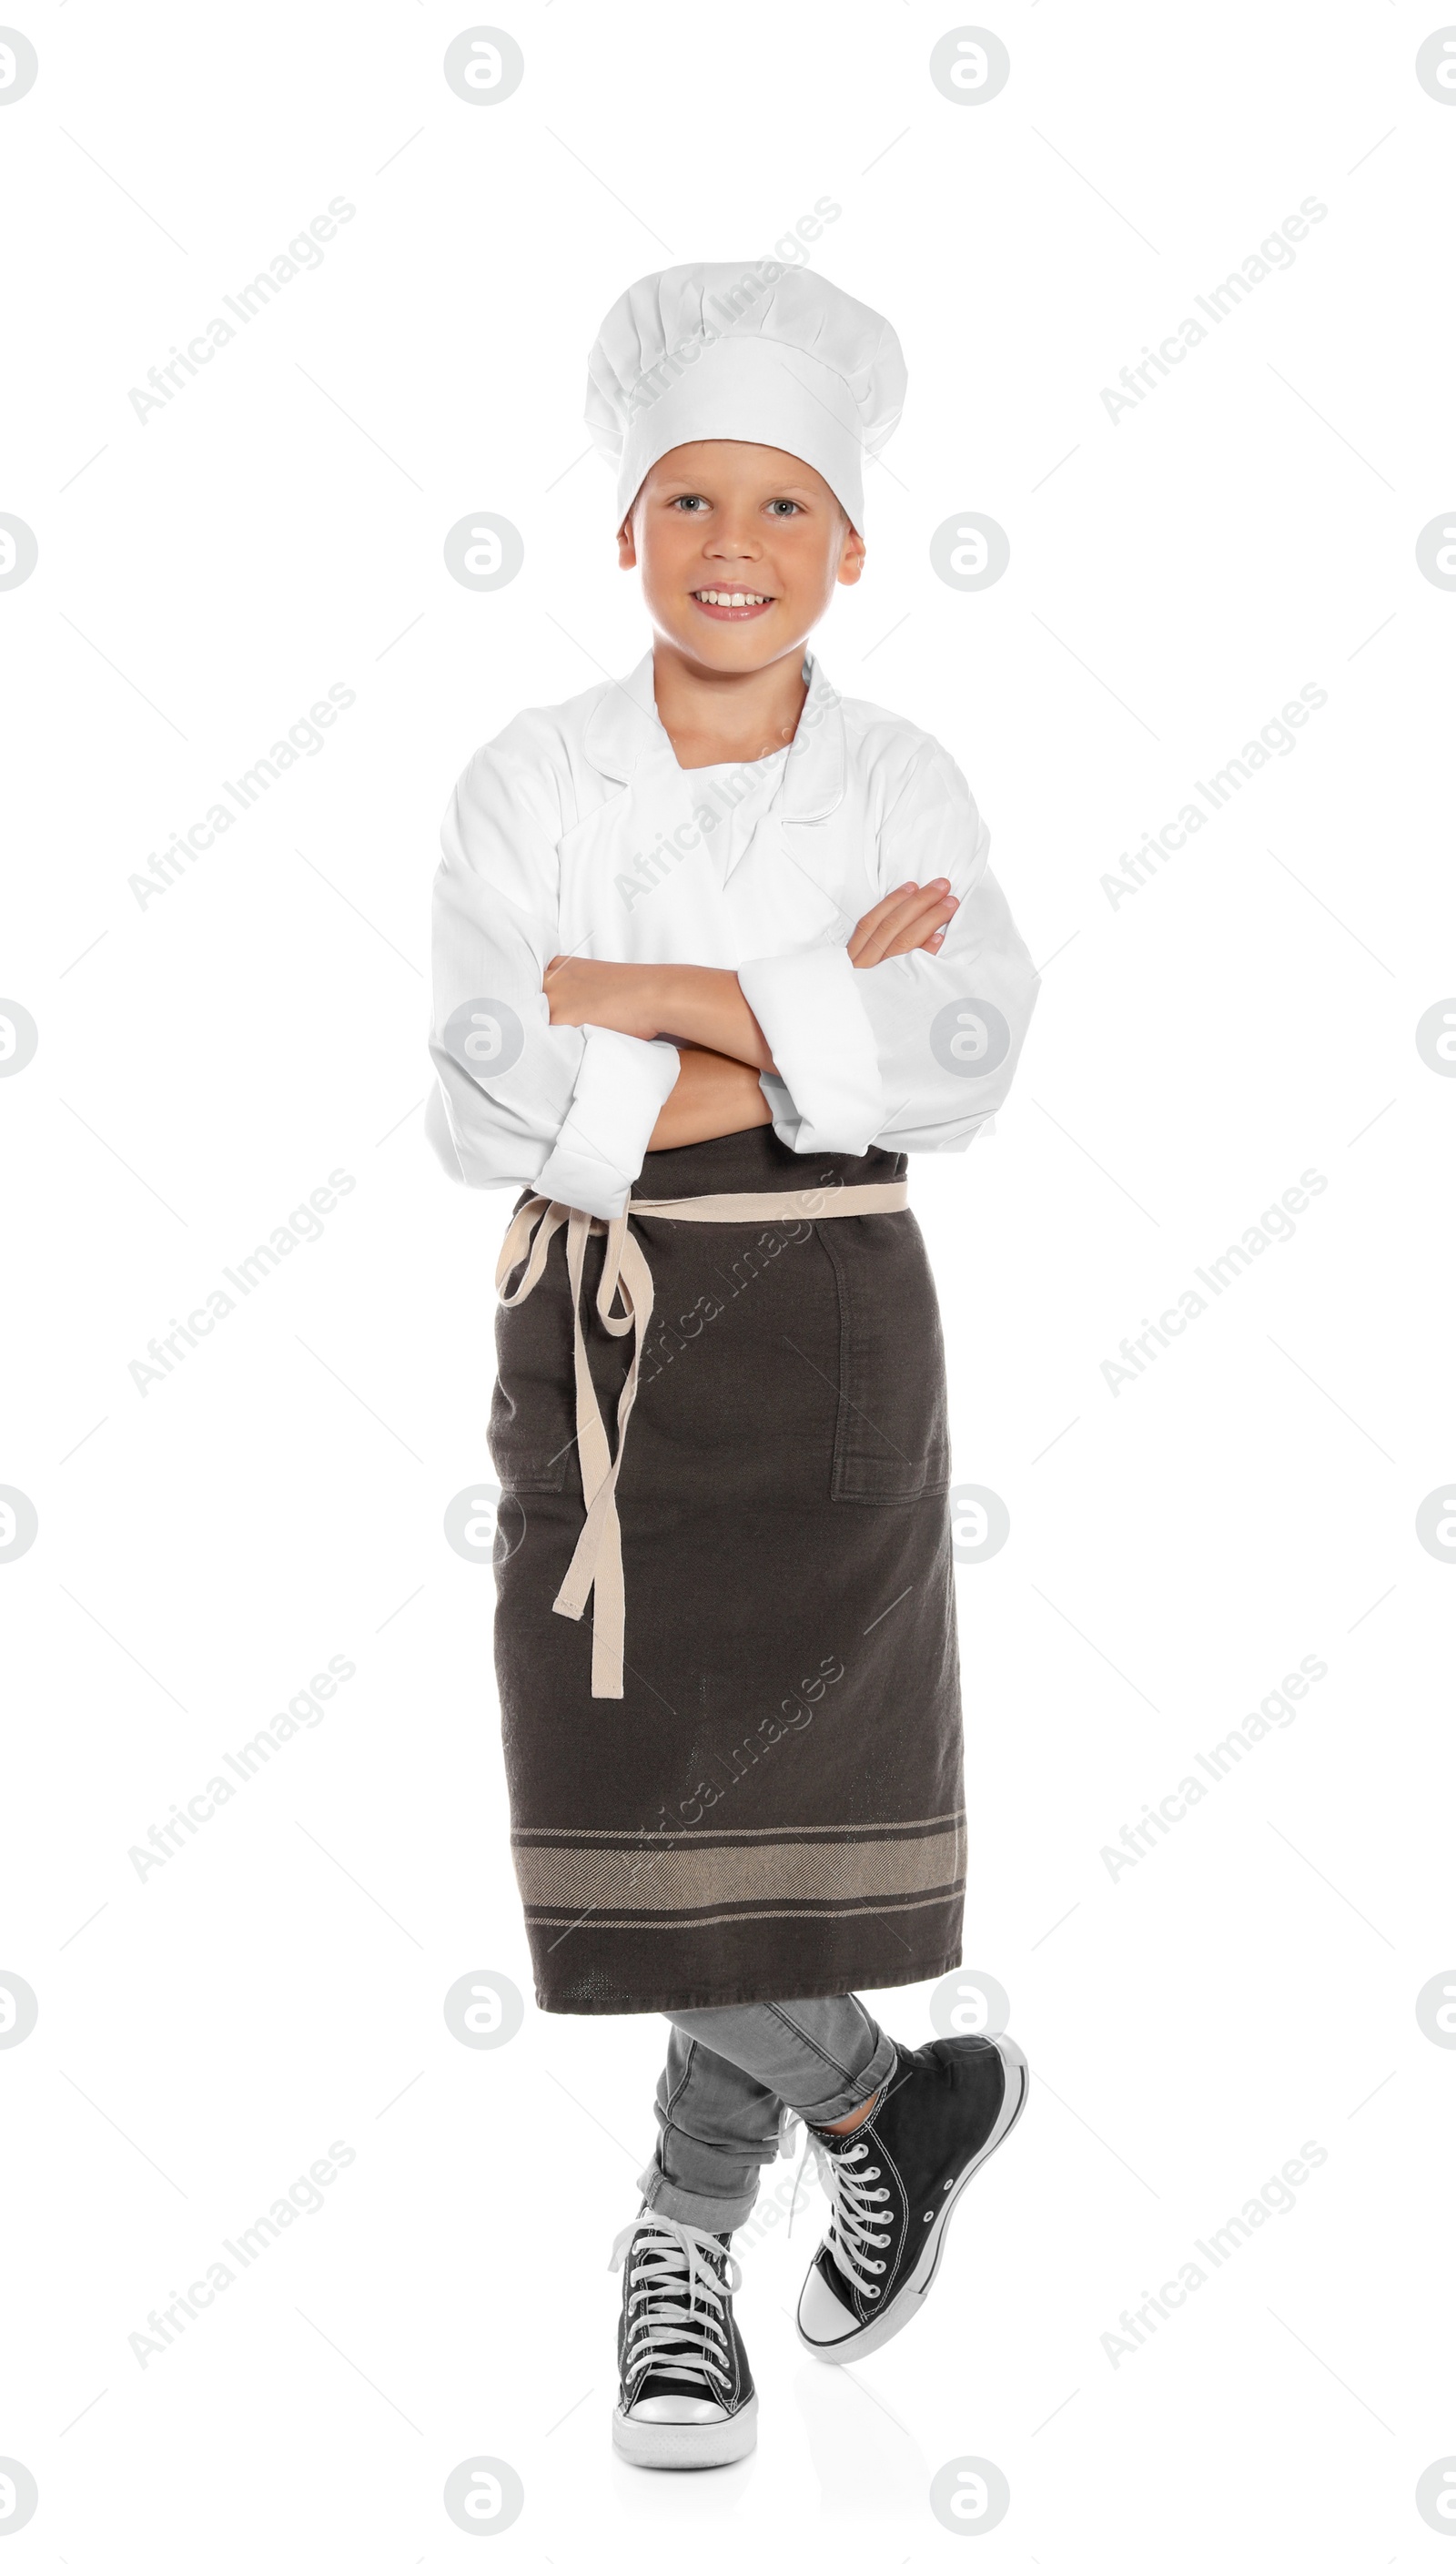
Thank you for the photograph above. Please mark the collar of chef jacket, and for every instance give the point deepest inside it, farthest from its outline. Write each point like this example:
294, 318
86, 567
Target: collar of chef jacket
624, 735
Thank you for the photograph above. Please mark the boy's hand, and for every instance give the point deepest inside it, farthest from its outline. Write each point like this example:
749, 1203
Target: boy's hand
910, 919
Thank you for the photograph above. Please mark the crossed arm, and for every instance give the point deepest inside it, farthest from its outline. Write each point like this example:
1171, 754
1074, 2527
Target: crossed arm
706, 1014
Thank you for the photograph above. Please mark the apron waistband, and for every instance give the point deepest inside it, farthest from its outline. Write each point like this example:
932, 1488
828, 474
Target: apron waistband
626, 1278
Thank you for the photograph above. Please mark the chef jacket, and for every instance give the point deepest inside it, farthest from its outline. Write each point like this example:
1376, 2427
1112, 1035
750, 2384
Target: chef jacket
576, 831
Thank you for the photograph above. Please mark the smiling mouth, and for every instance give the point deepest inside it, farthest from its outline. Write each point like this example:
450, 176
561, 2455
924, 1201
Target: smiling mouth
730, 604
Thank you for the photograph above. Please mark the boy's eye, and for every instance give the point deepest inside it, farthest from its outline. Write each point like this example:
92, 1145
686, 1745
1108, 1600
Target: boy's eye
784, 508
690, 501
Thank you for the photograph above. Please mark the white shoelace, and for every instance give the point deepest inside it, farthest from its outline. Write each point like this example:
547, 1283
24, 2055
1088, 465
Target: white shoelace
661, 2334
855, 2217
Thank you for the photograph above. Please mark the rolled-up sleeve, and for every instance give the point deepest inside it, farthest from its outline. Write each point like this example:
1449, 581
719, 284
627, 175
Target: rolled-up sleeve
918, 1052
825, 1090
569, 1109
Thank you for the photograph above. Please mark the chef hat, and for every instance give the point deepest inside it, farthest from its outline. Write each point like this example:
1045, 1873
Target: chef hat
756, 353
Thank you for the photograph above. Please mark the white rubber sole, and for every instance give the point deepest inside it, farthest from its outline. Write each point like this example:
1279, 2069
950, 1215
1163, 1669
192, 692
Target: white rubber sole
687, 2444
858, 2345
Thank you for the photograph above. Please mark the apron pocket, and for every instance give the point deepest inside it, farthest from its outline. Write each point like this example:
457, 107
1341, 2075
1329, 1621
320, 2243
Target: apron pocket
892, 1440
532, 1433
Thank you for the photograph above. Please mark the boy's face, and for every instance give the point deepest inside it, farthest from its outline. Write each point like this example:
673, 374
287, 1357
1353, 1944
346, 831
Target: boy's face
718, 519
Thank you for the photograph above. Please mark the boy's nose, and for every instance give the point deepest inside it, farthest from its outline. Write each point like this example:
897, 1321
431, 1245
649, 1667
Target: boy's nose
735, 541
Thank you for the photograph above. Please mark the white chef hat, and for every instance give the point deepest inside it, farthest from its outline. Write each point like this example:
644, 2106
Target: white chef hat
755, 353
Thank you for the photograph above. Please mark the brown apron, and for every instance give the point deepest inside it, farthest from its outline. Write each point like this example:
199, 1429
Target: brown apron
741, 1780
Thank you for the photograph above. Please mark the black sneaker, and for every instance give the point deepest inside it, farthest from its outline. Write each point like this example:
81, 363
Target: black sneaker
688, 2399
893, 2183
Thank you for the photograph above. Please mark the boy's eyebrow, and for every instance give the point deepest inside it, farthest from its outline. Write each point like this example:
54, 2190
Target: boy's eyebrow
680, 487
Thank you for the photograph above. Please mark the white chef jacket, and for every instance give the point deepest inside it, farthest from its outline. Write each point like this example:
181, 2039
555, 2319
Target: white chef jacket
576, 831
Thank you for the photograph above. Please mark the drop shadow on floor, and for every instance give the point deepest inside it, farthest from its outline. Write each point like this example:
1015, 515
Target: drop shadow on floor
868, 2460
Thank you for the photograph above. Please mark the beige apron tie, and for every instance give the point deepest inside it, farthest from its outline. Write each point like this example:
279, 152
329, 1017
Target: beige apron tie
596, 1563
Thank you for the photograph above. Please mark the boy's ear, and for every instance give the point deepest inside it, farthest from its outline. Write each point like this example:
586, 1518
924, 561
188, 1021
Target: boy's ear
851, 559
626, 546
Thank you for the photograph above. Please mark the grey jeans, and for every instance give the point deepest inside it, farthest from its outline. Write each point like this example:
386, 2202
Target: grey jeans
731, 2071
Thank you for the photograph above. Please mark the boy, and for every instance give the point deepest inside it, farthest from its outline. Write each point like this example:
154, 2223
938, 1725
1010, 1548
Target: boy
714, 947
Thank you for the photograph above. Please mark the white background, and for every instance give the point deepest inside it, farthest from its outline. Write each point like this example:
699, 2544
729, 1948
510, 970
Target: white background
206, 1060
